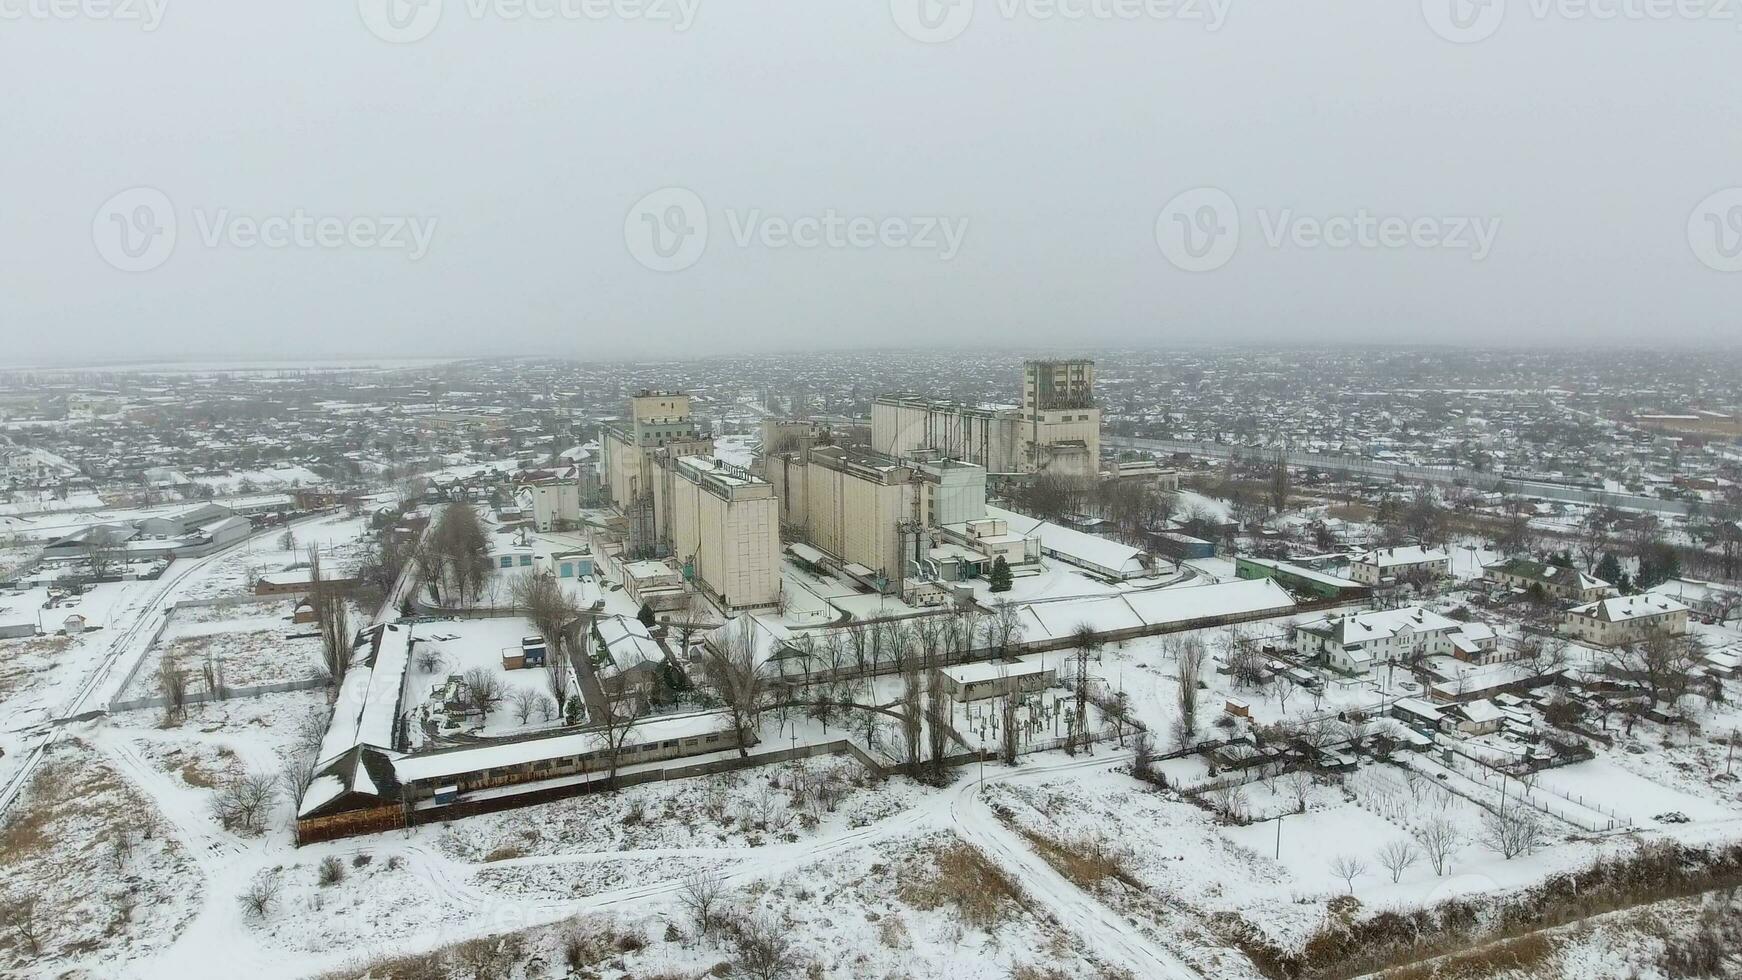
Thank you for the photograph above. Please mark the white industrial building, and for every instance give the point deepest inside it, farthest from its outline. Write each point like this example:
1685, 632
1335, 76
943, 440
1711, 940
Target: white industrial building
1057, 427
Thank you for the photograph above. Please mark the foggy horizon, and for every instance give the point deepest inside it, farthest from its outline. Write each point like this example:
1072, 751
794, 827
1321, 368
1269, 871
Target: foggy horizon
206, 181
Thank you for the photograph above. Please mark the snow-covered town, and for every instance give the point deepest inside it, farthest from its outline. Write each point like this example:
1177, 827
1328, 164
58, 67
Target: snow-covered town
731, 687
888, 490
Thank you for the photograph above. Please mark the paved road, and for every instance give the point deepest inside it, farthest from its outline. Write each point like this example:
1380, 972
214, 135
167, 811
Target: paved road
1441, 475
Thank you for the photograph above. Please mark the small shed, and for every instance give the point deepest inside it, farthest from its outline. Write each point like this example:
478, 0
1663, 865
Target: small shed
976, 682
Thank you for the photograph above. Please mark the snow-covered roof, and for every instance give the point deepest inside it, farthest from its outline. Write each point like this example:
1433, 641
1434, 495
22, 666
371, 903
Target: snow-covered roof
1481, 711
1629, 607
1153, 607
454, 762
1384, 624
1072, 545
1399, 557
627, 641
1301, 571
368, 704
1689, 590
965, 674
1548, 574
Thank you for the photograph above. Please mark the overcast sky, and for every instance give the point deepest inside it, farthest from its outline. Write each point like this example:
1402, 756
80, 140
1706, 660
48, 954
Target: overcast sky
465, 179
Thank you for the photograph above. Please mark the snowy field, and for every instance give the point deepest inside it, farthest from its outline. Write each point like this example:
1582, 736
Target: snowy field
249, 644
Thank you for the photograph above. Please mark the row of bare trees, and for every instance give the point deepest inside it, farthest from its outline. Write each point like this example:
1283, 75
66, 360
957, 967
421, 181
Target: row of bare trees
865, 647
453, 561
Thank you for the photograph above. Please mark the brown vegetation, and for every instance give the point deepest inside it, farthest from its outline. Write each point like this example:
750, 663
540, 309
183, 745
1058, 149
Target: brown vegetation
961, 878
1348, 946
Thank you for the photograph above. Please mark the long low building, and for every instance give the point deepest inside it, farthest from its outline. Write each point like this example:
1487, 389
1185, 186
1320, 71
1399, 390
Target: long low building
1086, 551
1047, 624
1300, 579
364, 784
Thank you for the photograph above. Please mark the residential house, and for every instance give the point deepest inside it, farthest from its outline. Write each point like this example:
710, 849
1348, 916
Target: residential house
1375, 567
1356, 642
1614, 622
1556, 581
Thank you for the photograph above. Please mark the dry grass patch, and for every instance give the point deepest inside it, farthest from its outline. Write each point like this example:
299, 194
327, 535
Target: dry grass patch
959, 877
1522, 953
1086, 861
506, 853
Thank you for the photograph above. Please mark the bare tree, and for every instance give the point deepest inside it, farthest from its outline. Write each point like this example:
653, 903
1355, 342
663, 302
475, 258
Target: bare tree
1348, 867
212, 672
1512, 830
260, 895
462, 551
1085, 642
1660, 662
551, 609
332, 615
525, 702
243, 802
611, 733
103, 561
1300, 787
298, 774
701, 894
1245, 662
483, 689
912, 696
696, 615
1009, 732
764, 952
1440, 839
734, 673
1230, 803
937, 722
172, 679
18, 916
1191, 668
1397, 857
1005, 627
1143, 755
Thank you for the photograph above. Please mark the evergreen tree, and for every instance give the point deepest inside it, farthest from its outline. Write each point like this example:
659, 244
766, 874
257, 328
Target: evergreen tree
1000, 577
1609, 569
646, 616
